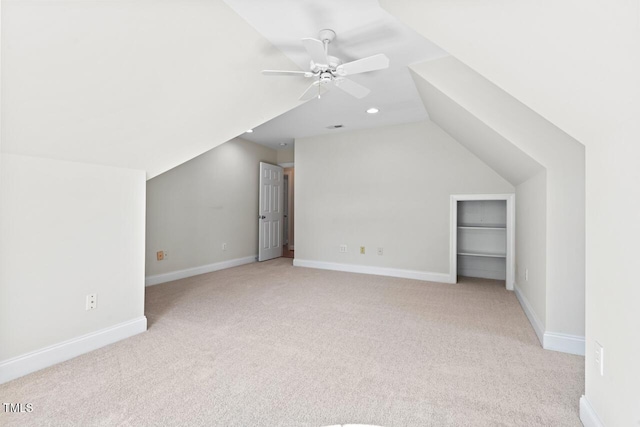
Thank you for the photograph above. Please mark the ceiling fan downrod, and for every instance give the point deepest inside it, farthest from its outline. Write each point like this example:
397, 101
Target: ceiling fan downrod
327, 36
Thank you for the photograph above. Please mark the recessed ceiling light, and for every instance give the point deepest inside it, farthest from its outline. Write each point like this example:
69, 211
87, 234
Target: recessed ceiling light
249, 131
283, 144
372, 110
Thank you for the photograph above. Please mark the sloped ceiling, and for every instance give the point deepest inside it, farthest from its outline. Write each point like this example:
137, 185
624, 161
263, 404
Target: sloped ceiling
362, 29
137, 84
497, 152
449, 86
574, 62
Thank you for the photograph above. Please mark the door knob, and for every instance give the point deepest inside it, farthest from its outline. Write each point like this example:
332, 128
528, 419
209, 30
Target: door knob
261, 217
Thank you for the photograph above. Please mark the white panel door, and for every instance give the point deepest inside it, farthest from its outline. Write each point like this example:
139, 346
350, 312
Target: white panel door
270, 215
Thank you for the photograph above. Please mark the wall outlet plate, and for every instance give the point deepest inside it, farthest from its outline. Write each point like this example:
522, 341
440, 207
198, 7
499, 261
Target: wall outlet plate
361, 250
160, 255
380, 251
599, 359
92, 302
343, 249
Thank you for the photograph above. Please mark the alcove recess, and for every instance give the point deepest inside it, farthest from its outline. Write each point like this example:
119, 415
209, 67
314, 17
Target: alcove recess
482, 238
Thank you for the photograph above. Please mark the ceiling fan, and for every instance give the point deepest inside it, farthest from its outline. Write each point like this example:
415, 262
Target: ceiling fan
328, 70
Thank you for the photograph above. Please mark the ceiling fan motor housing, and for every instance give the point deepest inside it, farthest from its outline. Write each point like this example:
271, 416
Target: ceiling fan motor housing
332, 65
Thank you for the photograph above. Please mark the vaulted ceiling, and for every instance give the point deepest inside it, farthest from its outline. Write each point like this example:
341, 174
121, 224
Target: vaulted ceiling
363, 28
135, 84
576, 62
149, 85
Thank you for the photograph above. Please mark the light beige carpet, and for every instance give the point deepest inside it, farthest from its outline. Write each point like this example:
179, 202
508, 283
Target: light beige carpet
269, 344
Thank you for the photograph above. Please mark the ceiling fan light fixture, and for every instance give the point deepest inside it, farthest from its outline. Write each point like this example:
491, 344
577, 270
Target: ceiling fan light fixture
372, 110
330, 71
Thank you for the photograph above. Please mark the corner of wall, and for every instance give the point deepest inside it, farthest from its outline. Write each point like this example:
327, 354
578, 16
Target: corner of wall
34, 361
81, 210
565, 343
536, 323
588, 415
203, 212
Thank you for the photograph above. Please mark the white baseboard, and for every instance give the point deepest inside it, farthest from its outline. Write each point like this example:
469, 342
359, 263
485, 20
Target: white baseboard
378, 271
588, 416
538, 326
566, 343
188, 272
27, 363
556, 341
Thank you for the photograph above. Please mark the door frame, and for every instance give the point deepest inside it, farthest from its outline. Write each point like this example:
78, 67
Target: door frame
511, 233
289, 171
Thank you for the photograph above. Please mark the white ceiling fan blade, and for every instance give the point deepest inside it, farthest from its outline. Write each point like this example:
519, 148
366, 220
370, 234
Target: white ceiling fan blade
316, 89
315, 48
352, 88
370, 63
286, 73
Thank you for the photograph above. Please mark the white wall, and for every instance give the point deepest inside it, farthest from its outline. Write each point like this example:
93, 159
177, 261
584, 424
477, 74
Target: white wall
68, 229
127, 84
386, 187
140, 84
531, 245
576, 63
547, 145
613, 292
285, 156
195, 207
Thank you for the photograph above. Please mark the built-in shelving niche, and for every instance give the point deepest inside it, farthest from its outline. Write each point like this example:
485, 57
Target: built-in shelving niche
482, 239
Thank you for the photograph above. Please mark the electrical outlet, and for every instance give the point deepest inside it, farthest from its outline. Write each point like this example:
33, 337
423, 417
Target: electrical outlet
361, 250
160, 255
343, 249
224, 246
600, 358
92, 302
380, 251
526, 274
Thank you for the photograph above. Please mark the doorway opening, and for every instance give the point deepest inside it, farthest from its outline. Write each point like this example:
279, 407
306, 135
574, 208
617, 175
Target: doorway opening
275, 212
288, 246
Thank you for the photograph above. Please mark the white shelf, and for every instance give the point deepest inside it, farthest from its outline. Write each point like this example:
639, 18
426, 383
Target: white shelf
483, 254
482, 228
